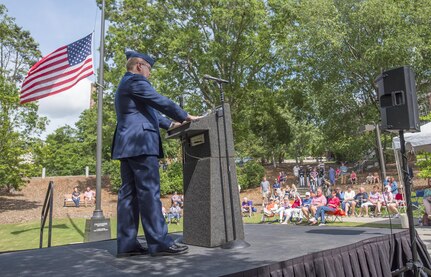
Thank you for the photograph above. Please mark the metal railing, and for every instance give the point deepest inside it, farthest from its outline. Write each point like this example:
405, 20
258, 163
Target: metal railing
47, 211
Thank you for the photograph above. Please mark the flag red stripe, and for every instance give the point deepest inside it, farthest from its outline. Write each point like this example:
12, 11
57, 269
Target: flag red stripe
55, 92
61, 79
29, 82
51, 62
47, 58
59, 73
56, 88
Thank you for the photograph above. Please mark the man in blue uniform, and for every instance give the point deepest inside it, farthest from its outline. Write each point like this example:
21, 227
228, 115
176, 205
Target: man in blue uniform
137, 144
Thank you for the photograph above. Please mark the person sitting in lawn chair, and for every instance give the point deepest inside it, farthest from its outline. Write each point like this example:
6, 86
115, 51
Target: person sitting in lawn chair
360, 198
269, 209
174, 213
390, 202
305, 205
247, 207
296, 208
284, 211
332, 206
177, 198
375, 200
318, 200
349, 199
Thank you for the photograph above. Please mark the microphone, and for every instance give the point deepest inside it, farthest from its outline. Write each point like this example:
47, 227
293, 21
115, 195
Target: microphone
208, 77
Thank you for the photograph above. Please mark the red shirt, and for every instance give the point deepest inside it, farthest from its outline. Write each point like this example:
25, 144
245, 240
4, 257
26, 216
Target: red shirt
296, 203
399, 196
334, 202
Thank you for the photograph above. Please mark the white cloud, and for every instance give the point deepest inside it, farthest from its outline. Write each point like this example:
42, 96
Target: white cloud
65, 107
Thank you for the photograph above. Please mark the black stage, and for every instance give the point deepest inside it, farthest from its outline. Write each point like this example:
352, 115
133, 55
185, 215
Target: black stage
275, 250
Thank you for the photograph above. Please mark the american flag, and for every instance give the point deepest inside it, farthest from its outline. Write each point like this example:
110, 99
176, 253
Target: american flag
58, 71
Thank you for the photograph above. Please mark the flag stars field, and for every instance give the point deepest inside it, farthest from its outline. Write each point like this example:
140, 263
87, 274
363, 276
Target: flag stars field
79, 50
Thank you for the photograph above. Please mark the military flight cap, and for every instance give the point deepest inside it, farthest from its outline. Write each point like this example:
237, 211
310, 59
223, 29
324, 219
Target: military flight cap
134, 54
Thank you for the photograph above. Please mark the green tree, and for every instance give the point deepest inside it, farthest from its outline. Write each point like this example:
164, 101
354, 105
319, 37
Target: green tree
63, 153
424, 159
336, 49
302, 72
18, 123
230, 39
250, 174
171, 179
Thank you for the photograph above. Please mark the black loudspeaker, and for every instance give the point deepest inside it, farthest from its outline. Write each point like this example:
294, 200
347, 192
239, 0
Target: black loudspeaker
398, 101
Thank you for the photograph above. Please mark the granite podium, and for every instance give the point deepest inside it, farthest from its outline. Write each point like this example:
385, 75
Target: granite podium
212, 211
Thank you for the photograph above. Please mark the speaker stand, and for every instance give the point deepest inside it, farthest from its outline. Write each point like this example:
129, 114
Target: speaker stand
413, 265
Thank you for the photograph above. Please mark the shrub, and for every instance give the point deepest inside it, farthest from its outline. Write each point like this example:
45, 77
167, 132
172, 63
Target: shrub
250, 174
171, 179
112, 169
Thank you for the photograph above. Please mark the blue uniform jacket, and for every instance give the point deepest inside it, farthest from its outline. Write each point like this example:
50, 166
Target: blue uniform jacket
137, 105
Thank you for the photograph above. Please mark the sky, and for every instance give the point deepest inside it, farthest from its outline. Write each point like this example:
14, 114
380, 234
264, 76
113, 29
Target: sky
52, 24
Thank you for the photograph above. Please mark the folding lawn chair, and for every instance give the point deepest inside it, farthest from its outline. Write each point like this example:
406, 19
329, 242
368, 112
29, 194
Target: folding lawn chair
336, 215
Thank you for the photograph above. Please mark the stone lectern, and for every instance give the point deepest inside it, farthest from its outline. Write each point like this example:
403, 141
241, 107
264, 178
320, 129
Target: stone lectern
212, 212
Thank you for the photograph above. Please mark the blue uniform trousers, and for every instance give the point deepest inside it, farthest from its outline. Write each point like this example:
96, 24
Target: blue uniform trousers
140, 195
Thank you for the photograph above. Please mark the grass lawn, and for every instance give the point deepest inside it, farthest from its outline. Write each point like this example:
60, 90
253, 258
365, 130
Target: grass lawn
64, 231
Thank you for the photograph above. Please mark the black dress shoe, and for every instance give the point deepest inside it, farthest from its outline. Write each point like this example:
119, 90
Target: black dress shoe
140, 251
174, 249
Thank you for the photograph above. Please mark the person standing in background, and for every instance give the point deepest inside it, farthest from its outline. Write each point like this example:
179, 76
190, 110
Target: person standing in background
343, 173
265, 190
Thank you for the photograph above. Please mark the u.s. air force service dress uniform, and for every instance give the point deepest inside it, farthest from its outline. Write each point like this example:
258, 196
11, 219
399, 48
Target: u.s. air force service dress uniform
137, 144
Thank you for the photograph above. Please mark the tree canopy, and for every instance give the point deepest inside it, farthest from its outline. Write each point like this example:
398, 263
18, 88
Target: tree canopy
302, 73
18, 124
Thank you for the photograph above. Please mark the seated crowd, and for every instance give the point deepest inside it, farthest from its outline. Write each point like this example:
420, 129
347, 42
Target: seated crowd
175, 211
284, 204
288, 206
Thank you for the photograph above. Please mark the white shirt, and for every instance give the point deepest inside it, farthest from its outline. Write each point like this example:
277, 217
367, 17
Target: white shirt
349, 195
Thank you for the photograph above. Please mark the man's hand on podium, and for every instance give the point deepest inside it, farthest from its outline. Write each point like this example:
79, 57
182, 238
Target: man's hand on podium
192, 118
189, 118
175, 125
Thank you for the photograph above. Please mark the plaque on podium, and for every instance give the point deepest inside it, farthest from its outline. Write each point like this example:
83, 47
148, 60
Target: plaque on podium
212, 211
